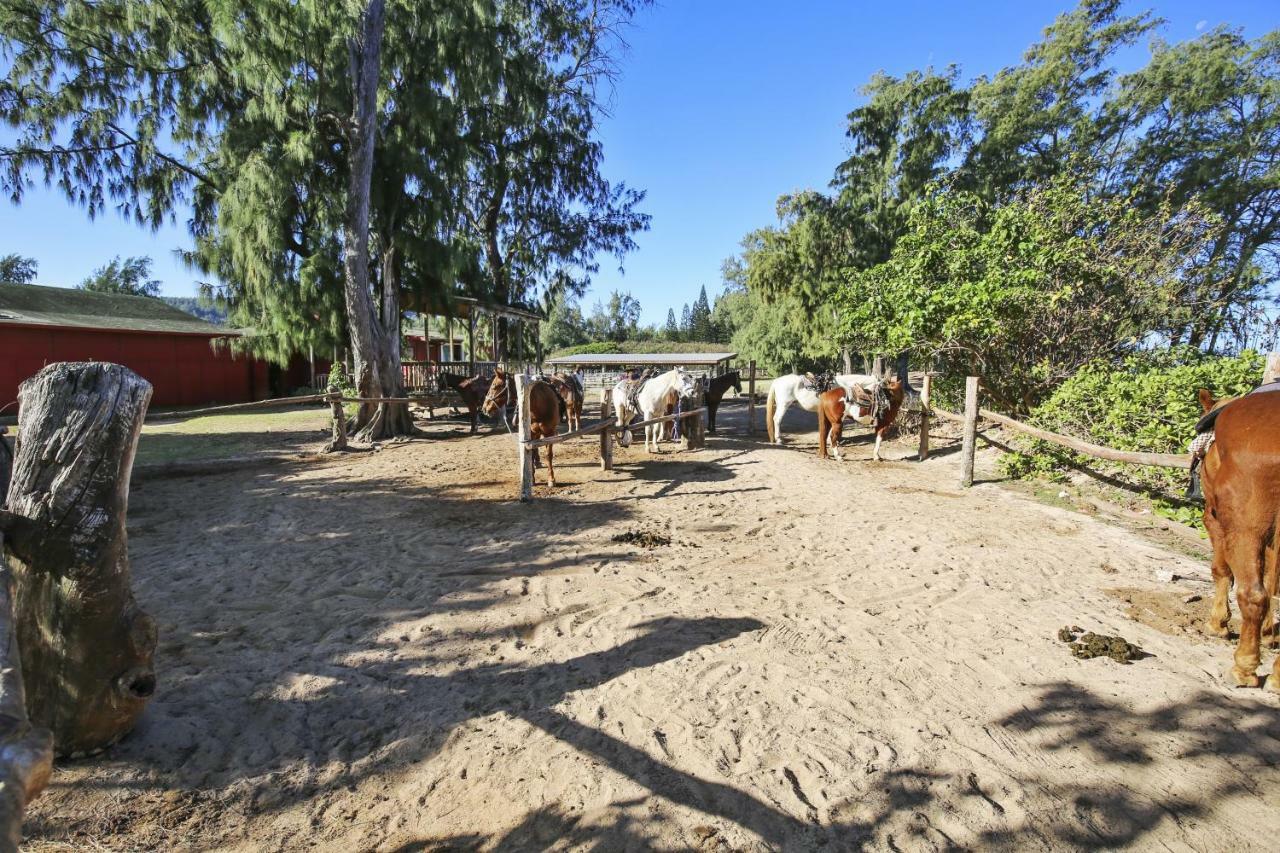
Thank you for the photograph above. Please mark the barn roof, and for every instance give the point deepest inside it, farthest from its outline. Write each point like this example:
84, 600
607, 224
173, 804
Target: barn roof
31, 304
615, 359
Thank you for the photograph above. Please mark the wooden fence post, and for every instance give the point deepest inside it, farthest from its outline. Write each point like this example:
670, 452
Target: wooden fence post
606, 402
970, 431
606, 449
1272, 371
338, 441
693, 427
526, 458
751, 398
924, 417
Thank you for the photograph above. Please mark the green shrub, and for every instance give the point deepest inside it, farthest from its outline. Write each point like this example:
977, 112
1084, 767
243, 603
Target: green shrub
1147, 403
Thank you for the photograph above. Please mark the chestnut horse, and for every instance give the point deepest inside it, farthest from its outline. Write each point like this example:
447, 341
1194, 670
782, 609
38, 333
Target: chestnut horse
1240, 475
831, 408
716, 389
544, 412
569, 387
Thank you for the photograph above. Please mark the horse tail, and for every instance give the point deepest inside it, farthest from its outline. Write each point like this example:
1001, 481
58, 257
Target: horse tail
768, 414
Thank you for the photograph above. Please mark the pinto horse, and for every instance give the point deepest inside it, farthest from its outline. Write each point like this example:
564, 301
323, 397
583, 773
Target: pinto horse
544, 412
1240, 475
883, 402
715, 393
656, 396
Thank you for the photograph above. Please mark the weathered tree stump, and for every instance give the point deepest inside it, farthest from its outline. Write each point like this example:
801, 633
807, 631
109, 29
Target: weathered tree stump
6, 463
86, 646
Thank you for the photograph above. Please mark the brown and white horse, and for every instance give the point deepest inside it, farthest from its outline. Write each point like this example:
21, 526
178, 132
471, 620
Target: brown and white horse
886, 397
544, 412
1240, 475
831, 409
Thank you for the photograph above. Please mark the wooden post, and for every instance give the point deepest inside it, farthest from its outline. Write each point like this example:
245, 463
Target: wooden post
1272, 371
86, 645
751, 398
26, 751
970, 431
471, 341
692, 427
606, 449
338, 440
924, 417
526, 454
606, 402
6, 464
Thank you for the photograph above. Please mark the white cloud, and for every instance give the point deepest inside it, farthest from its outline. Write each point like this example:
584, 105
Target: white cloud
1200, 25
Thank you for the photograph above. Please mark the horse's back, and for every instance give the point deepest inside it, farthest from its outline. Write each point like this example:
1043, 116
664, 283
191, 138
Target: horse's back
1247, 432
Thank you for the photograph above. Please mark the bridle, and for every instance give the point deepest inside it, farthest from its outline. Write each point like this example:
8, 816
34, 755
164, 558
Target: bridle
492, 396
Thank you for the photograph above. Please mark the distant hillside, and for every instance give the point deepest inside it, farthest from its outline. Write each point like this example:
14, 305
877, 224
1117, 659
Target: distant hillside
641, 347
192, 306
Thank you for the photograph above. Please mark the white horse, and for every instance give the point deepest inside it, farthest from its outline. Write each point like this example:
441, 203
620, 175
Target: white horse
798, 389
658, 393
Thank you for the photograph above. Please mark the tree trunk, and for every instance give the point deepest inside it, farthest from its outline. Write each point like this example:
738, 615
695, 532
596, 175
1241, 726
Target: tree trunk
86, 646
6, 463
26, 751
377, 367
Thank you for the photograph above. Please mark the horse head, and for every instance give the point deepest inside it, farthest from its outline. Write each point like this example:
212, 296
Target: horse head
499, 394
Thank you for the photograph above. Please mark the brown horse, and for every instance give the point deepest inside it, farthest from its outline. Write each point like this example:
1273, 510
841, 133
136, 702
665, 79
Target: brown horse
1240, 474
831, 408
501, 397
883, 416
470, 389
569, 387
544, 412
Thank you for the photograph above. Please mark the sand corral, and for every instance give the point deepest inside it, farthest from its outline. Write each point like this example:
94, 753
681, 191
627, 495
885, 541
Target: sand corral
738, 648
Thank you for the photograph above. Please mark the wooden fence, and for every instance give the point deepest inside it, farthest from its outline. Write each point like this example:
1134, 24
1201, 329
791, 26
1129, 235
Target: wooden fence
972, 412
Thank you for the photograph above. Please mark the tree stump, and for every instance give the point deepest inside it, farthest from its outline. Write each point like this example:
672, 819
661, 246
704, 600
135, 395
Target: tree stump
6, 463
86, 647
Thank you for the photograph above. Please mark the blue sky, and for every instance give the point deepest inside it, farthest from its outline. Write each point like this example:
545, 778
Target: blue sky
722, 106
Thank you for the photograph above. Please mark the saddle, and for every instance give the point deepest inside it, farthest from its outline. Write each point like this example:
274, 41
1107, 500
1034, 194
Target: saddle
823, 382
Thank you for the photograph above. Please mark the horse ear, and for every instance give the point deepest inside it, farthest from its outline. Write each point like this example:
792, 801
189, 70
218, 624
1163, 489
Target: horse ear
1206, 400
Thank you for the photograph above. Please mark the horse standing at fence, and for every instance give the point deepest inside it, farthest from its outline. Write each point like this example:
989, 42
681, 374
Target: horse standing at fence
715, 393
501, 398
1240, 475
470, 389
544, 413
832, 405
652, 398
884, 400
569, 387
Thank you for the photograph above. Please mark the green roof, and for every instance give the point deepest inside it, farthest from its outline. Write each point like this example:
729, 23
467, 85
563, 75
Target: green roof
83, 309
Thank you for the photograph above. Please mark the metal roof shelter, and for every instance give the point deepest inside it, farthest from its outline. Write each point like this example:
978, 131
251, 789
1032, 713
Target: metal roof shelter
643, 359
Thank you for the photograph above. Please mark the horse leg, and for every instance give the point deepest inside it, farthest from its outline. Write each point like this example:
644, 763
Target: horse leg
711, 417
537, 463
1220, 616
837, 429
876, 454
1246, 561
823, 428
551, 468
777, 423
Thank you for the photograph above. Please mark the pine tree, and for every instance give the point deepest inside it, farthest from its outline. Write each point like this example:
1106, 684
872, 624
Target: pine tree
671, 331
700, 317
686, 324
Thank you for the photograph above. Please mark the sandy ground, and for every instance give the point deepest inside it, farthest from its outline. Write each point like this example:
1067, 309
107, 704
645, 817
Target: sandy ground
385, 652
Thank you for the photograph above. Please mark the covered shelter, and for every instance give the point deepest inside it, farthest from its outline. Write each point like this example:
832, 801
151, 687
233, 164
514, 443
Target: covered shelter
601, 370
472, 312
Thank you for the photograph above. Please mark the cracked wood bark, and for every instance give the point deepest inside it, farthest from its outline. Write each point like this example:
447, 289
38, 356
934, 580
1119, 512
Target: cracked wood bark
86, 646
26, 751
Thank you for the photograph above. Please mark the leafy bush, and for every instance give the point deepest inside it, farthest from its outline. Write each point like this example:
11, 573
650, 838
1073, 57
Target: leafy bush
1149, 402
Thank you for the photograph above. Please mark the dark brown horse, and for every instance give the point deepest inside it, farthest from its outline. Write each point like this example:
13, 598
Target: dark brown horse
831, 408
1240, 474
544, 412
470, 389
569, 387
715, 393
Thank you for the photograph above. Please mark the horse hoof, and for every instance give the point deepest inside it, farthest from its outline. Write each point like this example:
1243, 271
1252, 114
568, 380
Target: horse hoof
1218, 631
1245, 679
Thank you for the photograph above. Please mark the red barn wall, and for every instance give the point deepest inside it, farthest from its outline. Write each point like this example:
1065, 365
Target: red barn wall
184, 370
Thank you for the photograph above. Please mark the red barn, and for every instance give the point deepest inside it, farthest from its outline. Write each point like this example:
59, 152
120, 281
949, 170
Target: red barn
169, 348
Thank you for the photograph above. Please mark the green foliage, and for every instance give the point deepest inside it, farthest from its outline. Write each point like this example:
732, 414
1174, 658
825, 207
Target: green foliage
565, 326
128, 276
617, 320
1148, 402
15, 269
1023, 293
